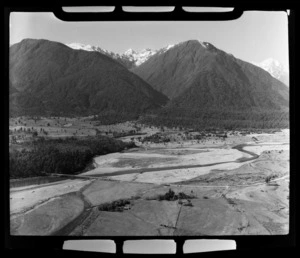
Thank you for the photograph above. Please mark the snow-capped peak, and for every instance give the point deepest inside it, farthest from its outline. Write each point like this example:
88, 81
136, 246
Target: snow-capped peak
139, 57
76, 45
271, 61
80, 46
130, 51
85, 47
275, 68
165, 49
135, 57
169, 46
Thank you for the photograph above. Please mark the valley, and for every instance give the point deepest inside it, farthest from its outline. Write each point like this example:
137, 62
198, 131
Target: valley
172, 183
184, 140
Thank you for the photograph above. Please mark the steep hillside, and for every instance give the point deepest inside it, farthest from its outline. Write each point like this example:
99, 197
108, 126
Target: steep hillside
51, 78
206, 83
183, 66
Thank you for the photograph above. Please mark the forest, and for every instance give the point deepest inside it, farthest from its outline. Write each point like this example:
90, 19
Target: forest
62, 156
233, 120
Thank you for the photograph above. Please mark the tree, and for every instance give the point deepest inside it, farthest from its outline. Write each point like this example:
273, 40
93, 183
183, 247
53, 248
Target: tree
170, 194
13, 139
268, 179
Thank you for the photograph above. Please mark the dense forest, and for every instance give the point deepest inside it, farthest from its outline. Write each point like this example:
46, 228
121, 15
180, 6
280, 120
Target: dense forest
198, 121
64, 156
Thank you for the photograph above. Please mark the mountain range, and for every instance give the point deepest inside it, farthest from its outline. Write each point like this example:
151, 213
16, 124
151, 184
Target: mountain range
129, 58
192, 83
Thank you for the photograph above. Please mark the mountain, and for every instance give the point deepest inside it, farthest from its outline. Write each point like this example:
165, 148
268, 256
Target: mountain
48, 77
122, 59
204, 82
275, 68
129, 58
140, 57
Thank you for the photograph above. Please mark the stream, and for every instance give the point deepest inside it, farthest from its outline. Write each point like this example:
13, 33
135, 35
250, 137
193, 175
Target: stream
145, 170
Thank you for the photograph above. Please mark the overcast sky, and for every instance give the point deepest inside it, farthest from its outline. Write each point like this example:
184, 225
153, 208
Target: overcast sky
255, 36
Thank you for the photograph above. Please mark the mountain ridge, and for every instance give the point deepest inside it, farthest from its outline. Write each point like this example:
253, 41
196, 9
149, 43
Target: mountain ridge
130, 58
51, 77
201, 79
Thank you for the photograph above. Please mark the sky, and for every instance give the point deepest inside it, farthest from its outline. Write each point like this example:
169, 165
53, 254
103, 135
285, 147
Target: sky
253, 37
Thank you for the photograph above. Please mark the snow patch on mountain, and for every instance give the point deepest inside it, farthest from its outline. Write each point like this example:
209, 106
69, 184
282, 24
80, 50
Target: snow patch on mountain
139, 57
136, 57
275, 68
203, 44
79, 46
130, 52
165, 49
142, 56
